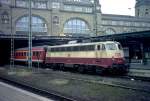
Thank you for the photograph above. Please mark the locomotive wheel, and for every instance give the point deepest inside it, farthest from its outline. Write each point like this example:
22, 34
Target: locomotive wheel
54, 66
81, 69
99, 71
62, 67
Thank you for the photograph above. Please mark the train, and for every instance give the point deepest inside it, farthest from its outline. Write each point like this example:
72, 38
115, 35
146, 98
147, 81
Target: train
99, 57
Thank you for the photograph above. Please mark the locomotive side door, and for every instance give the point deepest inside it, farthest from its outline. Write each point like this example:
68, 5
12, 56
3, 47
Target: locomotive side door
98, 53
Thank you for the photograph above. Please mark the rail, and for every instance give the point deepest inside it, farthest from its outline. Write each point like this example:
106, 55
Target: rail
42, 92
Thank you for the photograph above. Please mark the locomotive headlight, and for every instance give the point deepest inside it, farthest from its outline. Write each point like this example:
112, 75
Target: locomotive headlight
118, 55
113, 59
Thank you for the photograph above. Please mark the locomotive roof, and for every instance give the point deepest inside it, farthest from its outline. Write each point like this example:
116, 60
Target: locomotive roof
81, 44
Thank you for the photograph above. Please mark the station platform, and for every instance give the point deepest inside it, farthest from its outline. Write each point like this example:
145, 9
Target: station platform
138, 69
140, 66
11, 93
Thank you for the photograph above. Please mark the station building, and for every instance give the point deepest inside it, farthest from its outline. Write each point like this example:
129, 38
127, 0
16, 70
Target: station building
71, 18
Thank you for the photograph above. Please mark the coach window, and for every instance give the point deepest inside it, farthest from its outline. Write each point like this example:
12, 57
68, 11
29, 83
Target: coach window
38, 54
24, 53
33, 53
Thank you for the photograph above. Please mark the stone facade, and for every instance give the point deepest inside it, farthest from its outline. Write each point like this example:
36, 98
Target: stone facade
142, 8
117, 24
69, 17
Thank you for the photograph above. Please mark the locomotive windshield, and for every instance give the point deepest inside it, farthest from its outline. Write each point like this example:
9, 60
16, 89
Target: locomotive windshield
119, 47
111, 46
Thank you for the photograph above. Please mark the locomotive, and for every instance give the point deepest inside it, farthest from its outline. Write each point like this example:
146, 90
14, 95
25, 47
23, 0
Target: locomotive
95, 56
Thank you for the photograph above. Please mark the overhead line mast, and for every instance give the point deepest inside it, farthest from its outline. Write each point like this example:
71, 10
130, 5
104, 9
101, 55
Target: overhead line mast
12, 45
30, 38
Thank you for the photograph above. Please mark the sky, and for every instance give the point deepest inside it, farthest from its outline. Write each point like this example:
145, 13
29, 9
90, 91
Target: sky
121, 7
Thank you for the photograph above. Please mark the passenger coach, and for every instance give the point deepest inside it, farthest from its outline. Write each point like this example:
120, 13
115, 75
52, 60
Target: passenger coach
38, 55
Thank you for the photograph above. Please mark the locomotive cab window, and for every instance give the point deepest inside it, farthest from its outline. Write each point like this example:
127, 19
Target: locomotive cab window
111, 46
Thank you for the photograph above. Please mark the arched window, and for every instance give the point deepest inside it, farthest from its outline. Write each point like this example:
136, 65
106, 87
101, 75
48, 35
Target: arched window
76, 27
38, 25
109, 31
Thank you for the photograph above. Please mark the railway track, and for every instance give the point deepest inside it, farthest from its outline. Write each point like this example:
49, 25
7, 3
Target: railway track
147, 79
113, 84
42, 92
125, 77
110, 81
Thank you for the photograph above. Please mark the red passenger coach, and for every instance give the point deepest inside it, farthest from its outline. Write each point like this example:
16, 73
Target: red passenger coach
38, 55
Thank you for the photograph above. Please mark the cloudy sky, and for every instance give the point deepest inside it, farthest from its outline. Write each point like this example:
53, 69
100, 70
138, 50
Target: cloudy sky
122, 7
